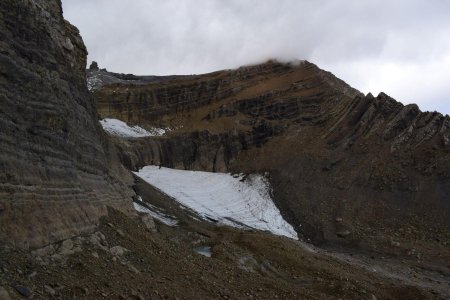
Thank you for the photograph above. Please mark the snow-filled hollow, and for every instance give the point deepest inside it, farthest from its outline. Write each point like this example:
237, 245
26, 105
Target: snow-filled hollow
233, 200
119, 128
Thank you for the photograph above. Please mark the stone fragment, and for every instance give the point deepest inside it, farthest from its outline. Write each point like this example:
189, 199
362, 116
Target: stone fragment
57, 258
67, 244
23, 290
149, 223
66, 247
45, 251
395, 244
137, 295
32, 274
133, 269
118, 250
343, 233
49, 290
97, 239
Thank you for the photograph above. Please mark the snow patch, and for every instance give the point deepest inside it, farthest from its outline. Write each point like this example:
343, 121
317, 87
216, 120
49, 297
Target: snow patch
239, 201
204, 250
156, 213
121, 129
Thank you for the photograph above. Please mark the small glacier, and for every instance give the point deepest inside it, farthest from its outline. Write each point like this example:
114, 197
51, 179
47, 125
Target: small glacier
234, 200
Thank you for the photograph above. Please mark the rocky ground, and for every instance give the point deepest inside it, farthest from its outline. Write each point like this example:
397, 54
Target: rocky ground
138, 258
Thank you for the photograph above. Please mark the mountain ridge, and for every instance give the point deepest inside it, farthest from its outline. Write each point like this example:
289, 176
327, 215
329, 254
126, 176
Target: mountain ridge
365, 178
328, 147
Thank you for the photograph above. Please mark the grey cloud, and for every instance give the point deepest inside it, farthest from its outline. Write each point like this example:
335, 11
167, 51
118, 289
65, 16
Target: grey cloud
367, 43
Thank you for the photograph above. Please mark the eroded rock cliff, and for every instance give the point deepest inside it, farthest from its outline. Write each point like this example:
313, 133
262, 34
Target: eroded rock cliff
346, 167
57, 170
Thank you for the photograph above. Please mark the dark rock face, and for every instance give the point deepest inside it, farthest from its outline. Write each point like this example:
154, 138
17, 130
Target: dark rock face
57, 169
200, 150
381, 165
196, 151
332, 153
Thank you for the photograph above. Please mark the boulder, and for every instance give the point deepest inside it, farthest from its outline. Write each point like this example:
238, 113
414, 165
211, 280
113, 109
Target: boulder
118, 250
149, 223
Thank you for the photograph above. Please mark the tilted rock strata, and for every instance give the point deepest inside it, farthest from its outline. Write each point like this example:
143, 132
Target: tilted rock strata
332, 152
57, 169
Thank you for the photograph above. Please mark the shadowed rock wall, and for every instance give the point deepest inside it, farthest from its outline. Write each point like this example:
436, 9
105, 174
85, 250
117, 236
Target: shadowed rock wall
57, 169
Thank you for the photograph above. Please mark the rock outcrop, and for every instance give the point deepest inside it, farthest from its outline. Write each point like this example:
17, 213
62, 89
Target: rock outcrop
332, 152
58, 172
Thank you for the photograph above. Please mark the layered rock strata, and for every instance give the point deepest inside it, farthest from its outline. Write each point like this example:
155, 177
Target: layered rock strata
345, 167
58, 172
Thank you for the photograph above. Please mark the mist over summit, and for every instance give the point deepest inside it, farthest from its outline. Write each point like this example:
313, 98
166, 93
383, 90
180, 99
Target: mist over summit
398, 47
261, 179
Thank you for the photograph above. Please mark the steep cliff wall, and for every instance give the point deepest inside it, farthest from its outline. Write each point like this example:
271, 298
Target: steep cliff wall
57, 169
198, 150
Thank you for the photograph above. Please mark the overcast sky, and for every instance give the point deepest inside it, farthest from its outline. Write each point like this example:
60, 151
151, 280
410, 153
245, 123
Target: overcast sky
401, 47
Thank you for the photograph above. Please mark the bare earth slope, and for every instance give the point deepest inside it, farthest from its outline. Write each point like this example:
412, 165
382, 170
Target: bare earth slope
57, 169
347, 169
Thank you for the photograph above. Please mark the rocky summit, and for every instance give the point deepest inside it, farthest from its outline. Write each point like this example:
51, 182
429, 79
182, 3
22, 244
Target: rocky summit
270, 181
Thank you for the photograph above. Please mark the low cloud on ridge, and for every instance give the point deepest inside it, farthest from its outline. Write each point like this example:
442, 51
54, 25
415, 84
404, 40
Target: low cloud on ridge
399, 47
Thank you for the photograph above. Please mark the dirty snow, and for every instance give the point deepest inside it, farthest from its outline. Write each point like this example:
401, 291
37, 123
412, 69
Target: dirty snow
238, 201
204, 250
121, 129
156, 213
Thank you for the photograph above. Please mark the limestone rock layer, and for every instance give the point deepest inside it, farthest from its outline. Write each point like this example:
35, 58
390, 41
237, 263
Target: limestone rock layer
57, 169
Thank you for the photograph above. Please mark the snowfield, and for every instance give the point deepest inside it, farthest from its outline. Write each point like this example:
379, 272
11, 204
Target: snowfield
237, 201
121, 129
